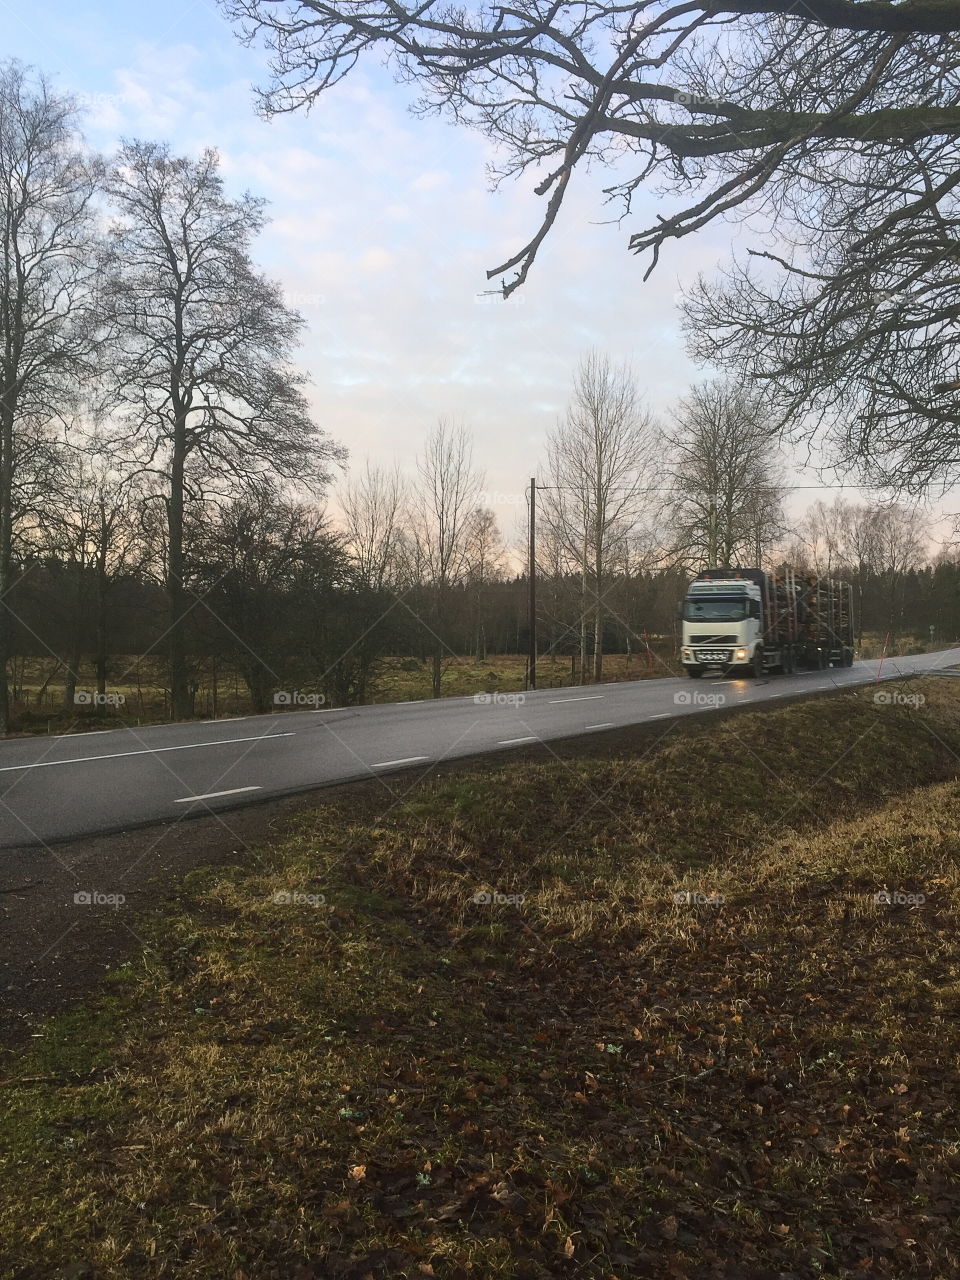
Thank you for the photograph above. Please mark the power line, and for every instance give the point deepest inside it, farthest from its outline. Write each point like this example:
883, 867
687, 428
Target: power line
773, 488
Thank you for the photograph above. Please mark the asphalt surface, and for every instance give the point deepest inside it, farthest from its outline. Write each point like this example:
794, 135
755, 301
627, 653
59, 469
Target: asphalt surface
69, 787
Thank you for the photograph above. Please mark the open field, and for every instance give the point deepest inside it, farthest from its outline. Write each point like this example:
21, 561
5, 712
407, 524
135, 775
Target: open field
588, 1075
403, 678
142, 697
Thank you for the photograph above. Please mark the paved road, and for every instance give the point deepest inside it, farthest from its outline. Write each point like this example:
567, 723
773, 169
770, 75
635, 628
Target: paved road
61, 788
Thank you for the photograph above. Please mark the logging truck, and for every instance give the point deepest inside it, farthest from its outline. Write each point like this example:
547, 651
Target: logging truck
751, 621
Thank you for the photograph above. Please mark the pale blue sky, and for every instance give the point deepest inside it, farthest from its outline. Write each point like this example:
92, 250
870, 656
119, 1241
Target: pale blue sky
383, 227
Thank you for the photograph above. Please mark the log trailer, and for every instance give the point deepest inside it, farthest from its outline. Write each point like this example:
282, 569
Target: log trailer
751, 621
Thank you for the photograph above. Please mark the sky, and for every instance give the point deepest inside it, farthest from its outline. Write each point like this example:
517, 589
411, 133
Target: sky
383, 226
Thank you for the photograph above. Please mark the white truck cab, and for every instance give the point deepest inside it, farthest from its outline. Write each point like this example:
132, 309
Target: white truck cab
722, 626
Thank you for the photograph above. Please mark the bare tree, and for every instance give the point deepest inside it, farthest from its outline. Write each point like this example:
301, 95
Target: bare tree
599, 463
853, 326
727, 502
560, 599
828, 531
96, 532
48, 266
446, 496
203, 344
484, 564
862, 540
900, 544
838, 538
267, 562
811, 89
374, 516
835, 123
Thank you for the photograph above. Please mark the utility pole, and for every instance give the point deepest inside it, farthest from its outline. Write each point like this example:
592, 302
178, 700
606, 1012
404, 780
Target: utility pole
532, 607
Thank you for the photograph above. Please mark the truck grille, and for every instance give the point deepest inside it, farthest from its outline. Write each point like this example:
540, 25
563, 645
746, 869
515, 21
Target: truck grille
714, 655
706, 639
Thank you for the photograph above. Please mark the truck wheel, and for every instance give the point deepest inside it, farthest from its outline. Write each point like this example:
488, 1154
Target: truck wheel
757, 667
788, 664
694, 672
823, 660
848, 657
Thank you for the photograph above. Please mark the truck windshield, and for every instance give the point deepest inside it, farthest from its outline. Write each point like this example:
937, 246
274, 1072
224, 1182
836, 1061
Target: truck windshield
714, 609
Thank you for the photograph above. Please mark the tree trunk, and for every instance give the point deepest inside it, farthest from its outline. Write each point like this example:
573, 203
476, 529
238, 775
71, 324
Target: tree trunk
6, 560
176, 594
598, 624
70, 683
712, 536
42, 691
583, 615
100, 659
259, 683
436, 663
860, 612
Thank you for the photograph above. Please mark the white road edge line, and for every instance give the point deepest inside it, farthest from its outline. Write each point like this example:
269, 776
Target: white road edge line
383, 764
510, 742
592, 697
212, 795
121, 755
609, 725
663, 715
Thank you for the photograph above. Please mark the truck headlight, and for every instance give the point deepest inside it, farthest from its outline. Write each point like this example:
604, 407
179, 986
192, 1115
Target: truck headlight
741, 653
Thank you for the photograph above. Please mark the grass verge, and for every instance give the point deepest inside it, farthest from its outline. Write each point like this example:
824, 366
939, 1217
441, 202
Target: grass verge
674, 1035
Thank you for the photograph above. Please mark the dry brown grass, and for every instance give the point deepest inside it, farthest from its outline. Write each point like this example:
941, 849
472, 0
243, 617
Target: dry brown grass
597, 1081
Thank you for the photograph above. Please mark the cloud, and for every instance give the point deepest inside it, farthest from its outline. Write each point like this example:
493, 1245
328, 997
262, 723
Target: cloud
384, 227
